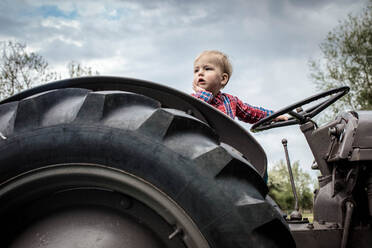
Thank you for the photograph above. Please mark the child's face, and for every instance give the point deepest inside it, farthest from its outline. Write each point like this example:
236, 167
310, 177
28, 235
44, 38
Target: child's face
208, 75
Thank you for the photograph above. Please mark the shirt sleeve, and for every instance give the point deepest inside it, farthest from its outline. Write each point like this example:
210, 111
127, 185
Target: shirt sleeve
249, 113
203, 95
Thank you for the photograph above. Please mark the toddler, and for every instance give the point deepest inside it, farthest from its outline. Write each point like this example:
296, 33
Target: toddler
212, 71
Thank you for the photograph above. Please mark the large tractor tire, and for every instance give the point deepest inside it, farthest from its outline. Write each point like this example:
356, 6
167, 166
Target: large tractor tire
113, 169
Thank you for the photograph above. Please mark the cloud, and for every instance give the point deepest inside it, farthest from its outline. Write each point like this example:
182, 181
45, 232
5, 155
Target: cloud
53, 10
298, 149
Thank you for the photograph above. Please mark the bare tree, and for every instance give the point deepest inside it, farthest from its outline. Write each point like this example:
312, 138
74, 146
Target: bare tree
20, 69
75, 69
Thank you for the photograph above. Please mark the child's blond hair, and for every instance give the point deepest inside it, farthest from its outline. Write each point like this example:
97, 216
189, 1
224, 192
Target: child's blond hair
220, 59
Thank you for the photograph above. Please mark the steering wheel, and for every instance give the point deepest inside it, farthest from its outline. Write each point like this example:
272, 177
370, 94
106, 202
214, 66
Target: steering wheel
301, 116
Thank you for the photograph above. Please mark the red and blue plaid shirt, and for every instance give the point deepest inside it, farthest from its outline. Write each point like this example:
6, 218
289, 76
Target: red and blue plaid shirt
232, 106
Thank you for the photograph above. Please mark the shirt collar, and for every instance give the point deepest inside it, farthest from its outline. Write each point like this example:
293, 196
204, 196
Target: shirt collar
218, 98
219, 95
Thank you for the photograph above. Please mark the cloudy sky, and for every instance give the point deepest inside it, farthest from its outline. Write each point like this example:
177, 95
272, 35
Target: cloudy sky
269, 43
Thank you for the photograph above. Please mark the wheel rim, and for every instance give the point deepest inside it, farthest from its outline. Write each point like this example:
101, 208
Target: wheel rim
70, 184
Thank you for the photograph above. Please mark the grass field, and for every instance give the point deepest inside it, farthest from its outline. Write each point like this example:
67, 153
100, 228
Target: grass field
308, 214
305, 214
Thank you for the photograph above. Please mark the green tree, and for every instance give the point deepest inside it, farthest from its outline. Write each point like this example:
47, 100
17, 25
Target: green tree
347, 61
280, 188
20, 69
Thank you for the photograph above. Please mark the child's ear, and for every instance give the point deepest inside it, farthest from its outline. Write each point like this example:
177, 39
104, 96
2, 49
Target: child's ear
225, 79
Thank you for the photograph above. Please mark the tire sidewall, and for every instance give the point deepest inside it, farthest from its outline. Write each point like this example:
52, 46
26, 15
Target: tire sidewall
128, 151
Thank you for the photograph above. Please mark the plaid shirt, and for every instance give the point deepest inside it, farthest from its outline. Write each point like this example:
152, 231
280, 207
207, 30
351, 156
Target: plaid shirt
232, 106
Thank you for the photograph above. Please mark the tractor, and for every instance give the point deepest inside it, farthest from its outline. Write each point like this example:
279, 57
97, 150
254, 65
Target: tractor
118, 162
